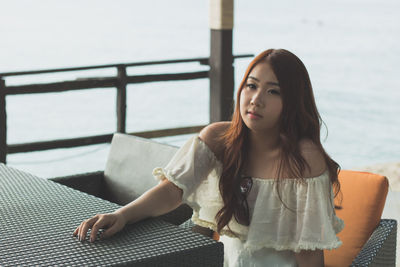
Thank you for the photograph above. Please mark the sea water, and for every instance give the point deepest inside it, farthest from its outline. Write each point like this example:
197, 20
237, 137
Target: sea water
351, 49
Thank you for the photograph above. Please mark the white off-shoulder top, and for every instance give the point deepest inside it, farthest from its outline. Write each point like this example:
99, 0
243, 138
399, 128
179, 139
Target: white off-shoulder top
310, 222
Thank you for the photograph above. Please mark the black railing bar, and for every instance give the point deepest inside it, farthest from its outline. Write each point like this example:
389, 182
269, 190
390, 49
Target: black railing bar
62, 143
99, 82
167, 77
97, 139
147, 77
206, 60
61, 86
144, 63
203, 60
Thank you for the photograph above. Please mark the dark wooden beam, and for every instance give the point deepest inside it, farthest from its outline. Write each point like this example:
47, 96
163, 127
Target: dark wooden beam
64, 143
201, 60
98, 139
105, 66
3, 122
168, 77
221, 75
100, 82
121, 99
107, 82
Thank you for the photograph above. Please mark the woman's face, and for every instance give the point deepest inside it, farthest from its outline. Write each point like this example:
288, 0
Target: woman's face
260, 99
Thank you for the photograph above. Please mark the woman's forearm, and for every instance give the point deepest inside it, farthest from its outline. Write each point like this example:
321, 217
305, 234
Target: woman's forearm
159, 200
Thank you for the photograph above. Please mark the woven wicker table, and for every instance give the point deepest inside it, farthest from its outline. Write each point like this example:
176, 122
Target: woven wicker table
37, 218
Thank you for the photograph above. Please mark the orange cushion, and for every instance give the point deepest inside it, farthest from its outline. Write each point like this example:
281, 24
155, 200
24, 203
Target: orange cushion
363, 199
215, 236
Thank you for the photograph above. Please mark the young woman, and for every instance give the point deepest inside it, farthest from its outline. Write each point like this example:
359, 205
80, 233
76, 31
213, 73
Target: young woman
263, 180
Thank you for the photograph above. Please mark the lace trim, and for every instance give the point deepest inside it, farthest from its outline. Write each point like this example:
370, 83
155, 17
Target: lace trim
296, 247
338, 224
307, 180
213, 226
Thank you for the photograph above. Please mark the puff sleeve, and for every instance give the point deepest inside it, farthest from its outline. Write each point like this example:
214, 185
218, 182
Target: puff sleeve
189, 167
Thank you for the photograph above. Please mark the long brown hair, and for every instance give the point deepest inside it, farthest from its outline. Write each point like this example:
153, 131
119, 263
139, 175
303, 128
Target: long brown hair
299, 120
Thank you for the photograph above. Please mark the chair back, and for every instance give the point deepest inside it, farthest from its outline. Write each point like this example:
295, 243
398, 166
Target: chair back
129, 167
362, 200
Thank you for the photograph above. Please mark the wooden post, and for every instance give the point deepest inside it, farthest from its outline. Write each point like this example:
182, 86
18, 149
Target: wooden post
121, 99
3, 122
221, 60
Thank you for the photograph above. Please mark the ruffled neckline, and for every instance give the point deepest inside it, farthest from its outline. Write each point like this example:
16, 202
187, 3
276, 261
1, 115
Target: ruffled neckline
257, 179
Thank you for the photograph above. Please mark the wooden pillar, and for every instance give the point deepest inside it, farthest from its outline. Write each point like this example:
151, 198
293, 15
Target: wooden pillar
221, 60
3, 122
121, 99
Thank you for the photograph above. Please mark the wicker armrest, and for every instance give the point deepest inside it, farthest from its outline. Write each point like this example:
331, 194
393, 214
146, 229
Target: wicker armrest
189, 225
178, 215
380, 249
91, 183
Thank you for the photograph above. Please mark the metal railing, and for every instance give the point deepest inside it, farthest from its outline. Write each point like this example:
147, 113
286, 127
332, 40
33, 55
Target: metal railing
120, 82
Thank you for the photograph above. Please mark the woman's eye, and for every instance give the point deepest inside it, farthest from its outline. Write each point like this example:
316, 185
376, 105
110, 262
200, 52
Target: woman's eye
274, 92
251, 86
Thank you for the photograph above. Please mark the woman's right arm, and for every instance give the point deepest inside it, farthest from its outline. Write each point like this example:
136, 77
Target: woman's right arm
157, 201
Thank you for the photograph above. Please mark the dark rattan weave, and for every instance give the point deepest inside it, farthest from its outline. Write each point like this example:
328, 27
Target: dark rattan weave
37, 218
93, 183
380, 249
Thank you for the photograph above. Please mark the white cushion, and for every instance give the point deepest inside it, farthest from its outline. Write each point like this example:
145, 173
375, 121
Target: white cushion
128, 172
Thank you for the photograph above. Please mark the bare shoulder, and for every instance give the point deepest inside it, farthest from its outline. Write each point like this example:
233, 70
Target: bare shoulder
314, 158
211, 135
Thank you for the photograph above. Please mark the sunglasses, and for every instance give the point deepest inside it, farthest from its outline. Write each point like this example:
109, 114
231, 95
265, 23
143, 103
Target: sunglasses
242, 212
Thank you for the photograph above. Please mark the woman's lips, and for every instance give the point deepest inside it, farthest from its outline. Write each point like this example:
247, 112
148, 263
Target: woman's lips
254, 115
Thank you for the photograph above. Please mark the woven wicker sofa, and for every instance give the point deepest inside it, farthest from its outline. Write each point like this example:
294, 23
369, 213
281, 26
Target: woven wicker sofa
128, 174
